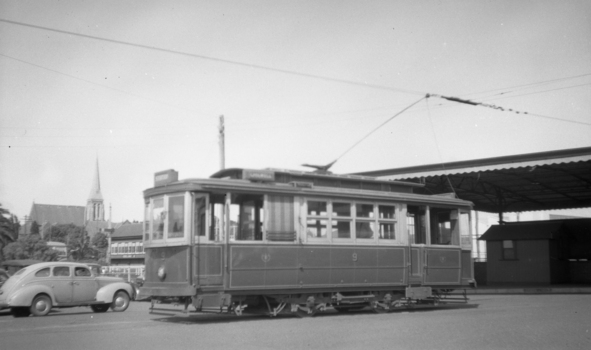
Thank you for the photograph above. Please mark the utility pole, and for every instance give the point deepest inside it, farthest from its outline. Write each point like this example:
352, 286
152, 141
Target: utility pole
222, 150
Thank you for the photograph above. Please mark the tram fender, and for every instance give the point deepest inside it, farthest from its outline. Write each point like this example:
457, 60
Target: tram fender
212, 300
419, 292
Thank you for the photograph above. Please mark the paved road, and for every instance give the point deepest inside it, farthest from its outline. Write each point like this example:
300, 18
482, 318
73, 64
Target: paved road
490, 322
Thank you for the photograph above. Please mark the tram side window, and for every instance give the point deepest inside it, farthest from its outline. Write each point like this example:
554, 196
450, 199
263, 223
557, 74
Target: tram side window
199, 216
444, 226
147, 221
317, 222
387, 221
176, 219
246, 215
280, 219
342, 220
365, 226
158, 216
216, 207
416, 224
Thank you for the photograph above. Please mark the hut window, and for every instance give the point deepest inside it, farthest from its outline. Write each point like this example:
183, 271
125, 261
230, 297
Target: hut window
509, 250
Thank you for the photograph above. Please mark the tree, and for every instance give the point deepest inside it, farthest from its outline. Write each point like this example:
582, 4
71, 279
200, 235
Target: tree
30, 247
79, 246
9, 227
100, 243
60, 233
34, 228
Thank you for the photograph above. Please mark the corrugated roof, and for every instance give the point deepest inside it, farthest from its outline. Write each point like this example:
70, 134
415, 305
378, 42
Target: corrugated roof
523, 231
536, 181
129, 230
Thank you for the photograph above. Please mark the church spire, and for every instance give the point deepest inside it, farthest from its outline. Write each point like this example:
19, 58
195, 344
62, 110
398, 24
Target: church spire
95, 210
95, 191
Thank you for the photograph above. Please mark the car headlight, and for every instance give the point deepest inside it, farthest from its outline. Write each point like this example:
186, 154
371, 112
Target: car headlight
161, 273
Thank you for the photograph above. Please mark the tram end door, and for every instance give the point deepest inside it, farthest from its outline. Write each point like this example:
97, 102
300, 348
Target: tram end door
167, 245
207, 248
443, 257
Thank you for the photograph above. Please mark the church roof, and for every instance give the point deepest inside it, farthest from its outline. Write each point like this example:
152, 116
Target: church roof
57, 214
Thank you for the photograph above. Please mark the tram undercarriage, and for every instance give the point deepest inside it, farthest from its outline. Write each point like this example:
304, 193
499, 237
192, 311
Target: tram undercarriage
309, 304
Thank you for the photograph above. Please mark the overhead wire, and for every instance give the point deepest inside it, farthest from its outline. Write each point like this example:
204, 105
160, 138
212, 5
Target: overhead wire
221, 60
290, 72
379, 126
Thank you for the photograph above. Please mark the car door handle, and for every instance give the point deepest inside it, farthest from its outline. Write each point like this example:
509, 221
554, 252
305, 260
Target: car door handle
75, 283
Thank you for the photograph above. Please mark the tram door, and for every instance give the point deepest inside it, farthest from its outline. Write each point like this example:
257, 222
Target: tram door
207, 247
415, 276
417, 235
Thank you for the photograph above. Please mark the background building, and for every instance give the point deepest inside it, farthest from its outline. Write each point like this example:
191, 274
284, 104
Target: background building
126, 247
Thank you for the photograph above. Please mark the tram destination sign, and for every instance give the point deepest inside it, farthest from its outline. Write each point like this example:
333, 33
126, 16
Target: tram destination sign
258, 175
165, 177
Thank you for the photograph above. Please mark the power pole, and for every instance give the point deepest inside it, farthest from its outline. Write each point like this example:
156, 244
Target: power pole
222, 150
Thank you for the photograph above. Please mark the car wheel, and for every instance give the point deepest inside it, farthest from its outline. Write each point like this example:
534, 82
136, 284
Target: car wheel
100, 307
120, 301
20, 311
41, 305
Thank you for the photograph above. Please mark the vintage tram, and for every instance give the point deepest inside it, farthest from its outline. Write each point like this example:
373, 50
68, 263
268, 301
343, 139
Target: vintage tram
301, 242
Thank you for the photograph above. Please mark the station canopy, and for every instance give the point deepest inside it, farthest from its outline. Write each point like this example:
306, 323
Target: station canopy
518, 183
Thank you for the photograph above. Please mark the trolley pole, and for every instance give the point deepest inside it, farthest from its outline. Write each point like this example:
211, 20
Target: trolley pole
222, 150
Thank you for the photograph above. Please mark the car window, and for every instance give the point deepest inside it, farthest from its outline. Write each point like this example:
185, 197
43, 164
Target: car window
61, 271
42, 273
81, 271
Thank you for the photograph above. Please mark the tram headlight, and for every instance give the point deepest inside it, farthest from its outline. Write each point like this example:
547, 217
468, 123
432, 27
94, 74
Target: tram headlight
161, 272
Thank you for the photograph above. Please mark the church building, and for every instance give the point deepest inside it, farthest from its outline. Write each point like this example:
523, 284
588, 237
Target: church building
92, 216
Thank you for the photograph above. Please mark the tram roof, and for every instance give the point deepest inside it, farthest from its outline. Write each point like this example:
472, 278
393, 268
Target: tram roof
286, 176
558, 179
360, 187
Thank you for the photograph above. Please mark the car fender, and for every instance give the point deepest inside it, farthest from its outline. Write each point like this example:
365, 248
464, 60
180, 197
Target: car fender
24, 296
106, 293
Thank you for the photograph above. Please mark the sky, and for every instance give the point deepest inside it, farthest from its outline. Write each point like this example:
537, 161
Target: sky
141, 86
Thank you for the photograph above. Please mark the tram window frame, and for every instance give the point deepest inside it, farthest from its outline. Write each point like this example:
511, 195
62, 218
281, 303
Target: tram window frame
160, 220
280, 218
341, 226
335, 216
418, 231
362, 220
444, 225
319, 218
157, 234
200, 227
216, 218
389, 221
247, 214
176, 218
147, 221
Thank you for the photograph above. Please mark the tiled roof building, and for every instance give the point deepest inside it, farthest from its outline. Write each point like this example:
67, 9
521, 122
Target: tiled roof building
91, 217
47, 215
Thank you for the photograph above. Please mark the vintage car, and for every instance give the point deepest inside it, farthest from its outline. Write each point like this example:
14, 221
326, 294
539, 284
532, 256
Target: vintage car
97, 269
12, 266
3, 276
38, 288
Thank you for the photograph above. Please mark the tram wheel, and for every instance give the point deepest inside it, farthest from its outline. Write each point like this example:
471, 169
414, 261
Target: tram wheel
344, 309
306, 312
380, 307
303, 311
